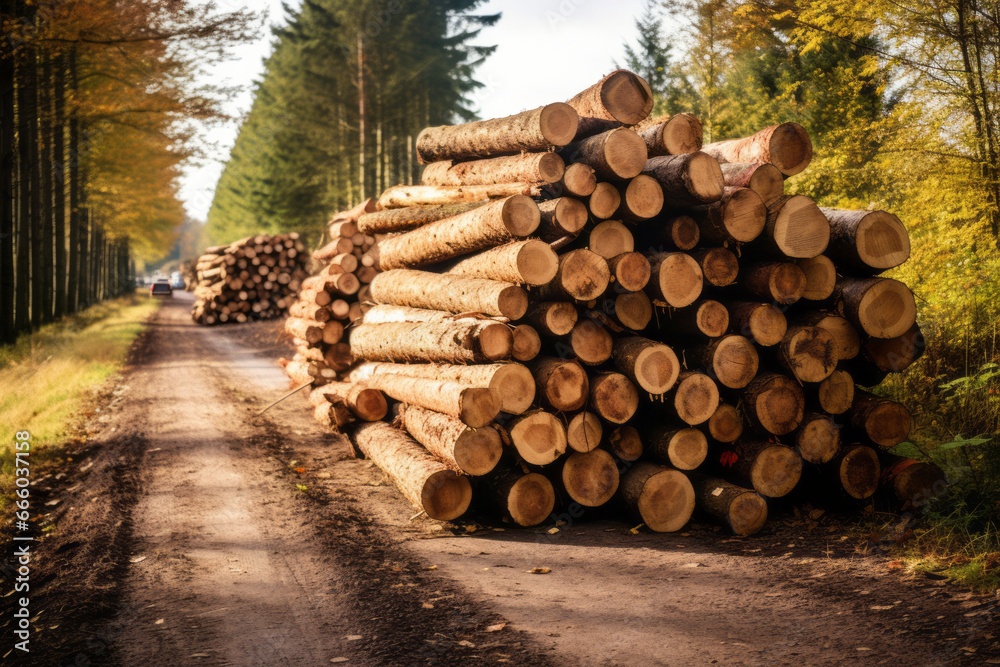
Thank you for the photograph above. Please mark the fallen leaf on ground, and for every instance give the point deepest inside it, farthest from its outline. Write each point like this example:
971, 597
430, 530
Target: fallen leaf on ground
136, 559
539, 570
159, 622
553, 531
466, 643
338, 659
300, 470
353, 638
430, 567
496, 628
635, 531
895, 565
427, 605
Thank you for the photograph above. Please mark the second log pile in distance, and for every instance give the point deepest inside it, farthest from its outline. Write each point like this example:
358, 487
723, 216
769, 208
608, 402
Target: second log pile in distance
584, 305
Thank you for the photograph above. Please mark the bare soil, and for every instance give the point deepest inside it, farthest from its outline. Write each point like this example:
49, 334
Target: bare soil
190, 530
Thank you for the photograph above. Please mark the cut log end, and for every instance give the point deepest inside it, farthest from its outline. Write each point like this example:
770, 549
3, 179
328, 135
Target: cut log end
479, 406
634, 310
734, 361
821, 277
677, 279
579, 180
531, 500
666, 500
536, 263
887, 309
558, 123
656, 369
688, 448
725, 424
631, 271
625, 443
798, 228
446, 495
604, 201
808, 352
744, 215
859, 472
818, 441
520, 215
614, 397
747, 513
881, 241
626, 97
696, 399
775, 471
836, 393
477, 451
495, 341
642, 199
527, 344
775, 402
712, 318
590, 478
681, 134
705, 177
516, 387
684, 232
791, 148
539, 437
370, 405
584, 432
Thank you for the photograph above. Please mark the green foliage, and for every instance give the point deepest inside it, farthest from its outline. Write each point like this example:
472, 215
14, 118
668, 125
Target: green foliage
305, 149
650, 57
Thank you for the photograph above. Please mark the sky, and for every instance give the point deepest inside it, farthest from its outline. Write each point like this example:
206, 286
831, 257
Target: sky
548, 50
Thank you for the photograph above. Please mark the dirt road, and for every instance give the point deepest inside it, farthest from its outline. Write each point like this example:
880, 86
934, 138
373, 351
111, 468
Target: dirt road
194, 532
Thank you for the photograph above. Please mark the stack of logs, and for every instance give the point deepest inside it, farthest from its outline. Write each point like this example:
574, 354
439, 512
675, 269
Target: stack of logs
253, 278
583, 306
329, 301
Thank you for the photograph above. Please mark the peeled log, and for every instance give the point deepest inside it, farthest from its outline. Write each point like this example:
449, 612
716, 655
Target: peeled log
617, 154
582, 276
590, 478
659, 497
424, 480
462, 341
795, 228
528, 499
687, 180
560, 218
366, 403
731, 360
620, 97
534, 130
530, 262
395, 220
538, 436
451, 293
613, 397
808, 352
308, 330
481, 228
781, 282
401, 196
604, 201
725, 424
474, 406
523, 168
709, 319
786, 146
718, 265
675, 135
651, 365
881, 307
884, 422
584, 431
764, 179
866, 242
676, 278
642, 199
821, 277
738, 217
625, 443
696, 397
763, 323
512, 382
772, 470
741, 509
630, 270
681, 448
774, 403
552, 318
473, 451
562, 384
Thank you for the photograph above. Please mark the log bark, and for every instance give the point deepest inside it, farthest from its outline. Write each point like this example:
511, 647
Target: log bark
894, 355
835, 394
490, 225
795, 228
534, 130
772, 470
808, 353
725, 424
718, 266
696, 398
401, 196
584, 431
590, 478
630, 271
610, 239
781, 282
641, 199
881, 307
512, 382
764, 179
659, 497
530, 262
617, 154
742, 510
552, 318
738, 216
527, 344
579, 180
687, 180
364, 402
620, 97
308, 330
582, 276
652, 366
395, 220
560, 218
473, 451
774, 403
866, 242
424, 480
625, 443
451, 293
706, 318
763, 323
786, 146
818, 438
538, 436
604, 201
523, 168
681, 448
731, 360
527, 499
334, 416
474, 406
884, 422
613, 397
462, 341
821, 277
674, 135
912, 482
562, 384
676, 278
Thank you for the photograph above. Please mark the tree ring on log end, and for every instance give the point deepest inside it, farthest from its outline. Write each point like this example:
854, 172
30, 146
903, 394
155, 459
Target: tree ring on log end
776, 471
446, 495
667, 501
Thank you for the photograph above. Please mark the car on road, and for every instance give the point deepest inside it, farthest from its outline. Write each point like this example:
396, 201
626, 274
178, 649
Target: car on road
161, 288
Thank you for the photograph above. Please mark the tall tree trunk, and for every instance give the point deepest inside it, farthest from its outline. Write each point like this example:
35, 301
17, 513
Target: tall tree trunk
22, 311
59, 182
8, 332
46, 164
34, 185
75, 205
361, 116
84, 266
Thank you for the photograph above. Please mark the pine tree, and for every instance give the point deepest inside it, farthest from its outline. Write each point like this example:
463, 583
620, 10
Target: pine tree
650, 58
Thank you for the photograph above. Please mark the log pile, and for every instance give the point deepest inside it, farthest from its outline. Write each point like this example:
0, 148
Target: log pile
583, 307
255, 278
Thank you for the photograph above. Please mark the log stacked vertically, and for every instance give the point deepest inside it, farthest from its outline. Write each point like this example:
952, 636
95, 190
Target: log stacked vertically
640, 319
255, 278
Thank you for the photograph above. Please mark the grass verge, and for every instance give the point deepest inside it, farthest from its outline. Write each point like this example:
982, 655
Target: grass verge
46, 377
